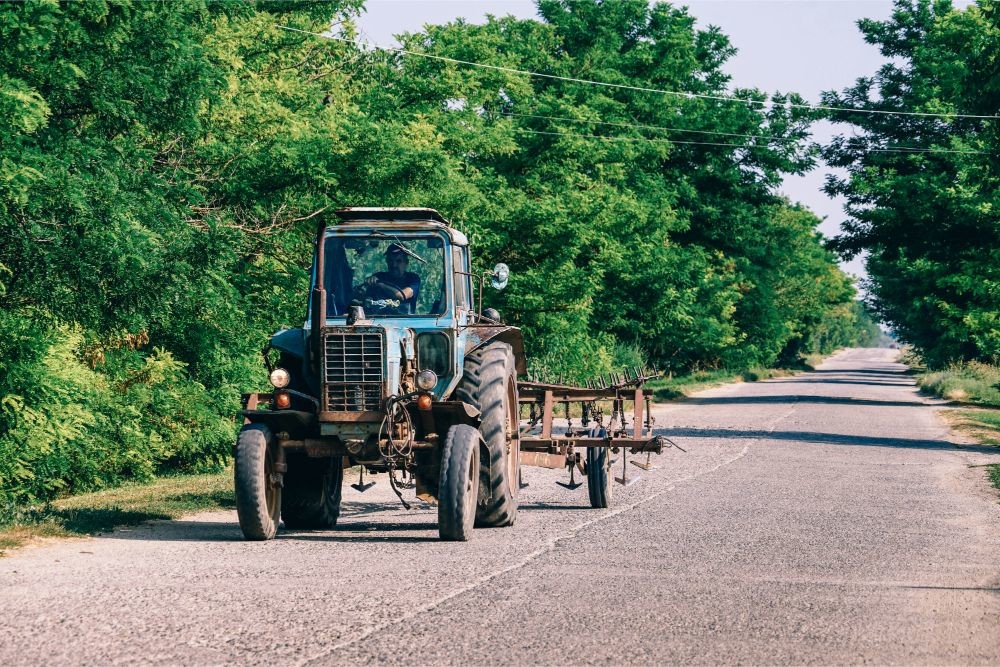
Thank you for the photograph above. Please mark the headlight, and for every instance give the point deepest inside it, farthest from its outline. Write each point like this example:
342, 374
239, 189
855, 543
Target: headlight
434, 353
280, 378
427, 379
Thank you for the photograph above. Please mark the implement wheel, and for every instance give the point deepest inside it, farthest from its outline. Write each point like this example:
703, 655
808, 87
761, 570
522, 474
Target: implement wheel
489, 383
310, 499
599, 472
258, 487
459, 483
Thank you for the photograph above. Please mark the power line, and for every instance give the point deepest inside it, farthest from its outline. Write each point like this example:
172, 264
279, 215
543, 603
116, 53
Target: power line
902, 149
620, 86
728, 145
646, 127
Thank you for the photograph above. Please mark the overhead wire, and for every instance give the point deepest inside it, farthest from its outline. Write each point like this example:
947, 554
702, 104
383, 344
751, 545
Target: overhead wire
902, 149
711, 143
660, 91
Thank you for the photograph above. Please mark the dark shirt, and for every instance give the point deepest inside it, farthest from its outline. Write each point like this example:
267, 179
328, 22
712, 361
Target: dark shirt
408, 279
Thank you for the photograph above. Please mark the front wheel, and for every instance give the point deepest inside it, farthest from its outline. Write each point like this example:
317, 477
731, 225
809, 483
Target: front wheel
258, 486
599, 472
459, 483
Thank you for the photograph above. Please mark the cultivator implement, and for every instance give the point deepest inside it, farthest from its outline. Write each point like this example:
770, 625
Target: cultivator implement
589, 448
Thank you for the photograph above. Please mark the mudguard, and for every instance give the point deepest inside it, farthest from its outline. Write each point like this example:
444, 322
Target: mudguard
481, 335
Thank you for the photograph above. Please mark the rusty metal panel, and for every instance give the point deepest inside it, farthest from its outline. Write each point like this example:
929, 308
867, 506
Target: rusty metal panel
341, 417
542, 460
637, 415
547, 410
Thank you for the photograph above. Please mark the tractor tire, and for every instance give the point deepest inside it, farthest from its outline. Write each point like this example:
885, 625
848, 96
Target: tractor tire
599, 478
258, 491
310, 498
459, 484
489, 383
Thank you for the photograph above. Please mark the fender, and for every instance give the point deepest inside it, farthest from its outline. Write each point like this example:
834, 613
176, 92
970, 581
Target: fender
481, 335
294, 348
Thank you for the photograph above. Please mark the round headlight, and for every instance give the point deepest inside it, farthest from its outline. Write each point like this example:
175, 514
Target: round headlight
280, 378
426, 380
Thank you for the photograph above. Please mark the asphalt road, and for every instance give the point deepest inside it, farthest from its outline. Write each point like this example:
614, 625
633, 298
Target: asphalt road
827, 518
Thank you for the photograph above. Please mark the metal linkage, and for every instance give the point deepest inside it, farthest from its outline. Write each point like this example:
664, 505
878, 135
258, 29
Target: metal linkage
627, 434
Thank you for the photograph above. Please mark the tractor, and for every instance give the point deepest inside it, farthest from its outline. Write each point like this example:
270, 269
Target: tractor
396, 370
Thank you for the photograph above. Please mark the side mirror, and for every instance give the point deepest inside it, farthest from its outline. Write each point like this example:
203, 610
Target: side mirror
498, 279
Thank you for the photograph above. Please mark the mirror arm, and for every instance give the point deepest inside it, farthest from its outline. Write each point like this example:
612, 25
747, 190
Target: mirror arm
479, 313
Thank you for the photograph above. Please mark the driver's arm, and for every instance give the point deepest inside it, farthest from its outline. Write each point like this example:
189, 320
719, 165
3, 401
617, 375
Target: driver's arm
385, 289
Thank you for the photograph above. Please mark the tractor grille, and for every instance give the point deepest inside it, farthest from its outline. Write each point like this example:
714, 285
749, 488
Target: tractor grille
353, 370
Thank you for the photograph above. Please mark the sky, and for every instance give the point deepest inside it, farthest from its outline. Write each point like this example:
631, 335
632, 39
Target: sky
803, 46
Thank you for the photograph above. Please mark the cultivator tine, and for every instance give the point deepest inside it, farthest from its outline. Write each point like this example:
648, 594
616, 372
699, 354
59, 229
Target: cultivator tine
624, 479
572, 484
648, 465
361, 486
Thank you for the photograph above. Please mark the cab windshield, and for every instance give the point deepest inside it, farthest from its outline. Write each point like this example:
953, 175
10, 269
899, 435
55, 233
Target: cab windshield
387, 275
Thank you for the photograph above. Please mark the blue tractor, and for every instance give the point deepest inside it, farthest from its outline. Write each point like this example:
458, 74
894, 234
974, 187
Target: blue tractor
395, 370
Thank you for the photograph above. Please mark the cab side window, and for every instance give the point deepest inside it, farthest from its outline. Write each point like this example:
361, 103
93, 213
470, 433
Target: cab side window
460, 260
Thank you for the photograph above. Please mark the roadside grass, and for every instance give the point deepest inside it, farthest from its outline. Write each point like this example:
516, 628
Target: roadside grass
994, 472
973, 382
672, 388
983, 426
128, 505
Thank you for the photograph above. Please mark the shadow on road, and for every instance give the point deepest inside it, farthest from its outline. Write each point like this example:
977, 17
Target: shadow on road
792, 399
366, 532
224, 531
861, 371
895, 382
181, 531
824, 439
530, 507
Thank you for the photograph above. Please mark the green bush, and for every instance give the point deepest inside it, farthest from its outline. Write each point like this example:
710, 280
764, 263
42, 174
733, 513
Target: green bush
971, 382
71, 428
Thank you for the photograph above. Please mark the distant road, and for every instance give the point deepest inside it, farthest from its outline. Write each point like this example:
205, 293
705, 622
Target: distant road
825, 518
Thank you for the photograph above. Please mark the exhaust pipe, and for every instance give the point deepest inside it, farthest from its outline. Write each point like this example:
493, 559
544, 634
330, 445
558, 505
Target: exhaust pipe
319, 298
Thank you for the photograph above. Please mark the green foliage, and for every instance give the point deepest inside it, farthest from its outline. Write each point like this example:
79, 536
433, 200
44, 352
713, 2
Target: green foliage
928, 220
162, 164
73, 429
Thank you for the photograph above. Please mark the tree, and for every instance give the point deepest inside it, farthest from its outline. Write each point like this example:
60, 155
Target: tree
921, 190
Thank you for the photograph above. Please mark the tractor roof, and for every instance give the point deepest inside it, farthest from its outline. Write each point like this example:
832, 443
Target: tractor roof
401, 219
383, 214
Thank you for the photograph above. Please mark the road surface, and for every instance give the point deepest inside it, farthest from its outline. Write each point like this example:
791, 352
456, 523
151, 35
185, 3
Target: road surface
825, 518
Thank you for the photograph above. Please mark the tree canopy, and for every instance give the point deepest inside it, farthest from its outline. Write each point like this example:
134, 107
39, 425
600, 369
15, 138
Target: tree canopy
163, 162
921, 190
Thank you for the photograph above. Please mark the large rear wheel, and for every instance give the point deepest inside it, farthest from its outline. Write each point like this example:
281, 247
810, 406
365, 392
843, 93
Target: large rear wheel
459, 485
258, 485
489, 383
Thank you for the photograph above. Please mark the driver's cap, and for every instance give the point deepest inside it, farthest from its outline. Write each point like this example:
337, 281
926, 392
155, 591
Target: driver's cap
395, 250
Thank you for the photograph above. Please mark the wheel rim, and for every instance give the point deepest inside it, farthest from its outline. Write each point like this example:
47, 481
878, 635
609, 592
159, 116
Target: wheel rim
270, 485
470, 488
513, 443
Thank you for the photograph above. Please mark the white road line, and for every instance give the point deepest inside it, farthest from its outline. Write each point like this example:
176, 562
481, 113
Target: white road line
549, 546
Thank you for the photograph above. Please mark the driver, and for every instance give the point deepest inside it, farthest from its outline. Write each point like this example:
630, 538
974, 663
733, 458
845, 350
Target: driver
397, 282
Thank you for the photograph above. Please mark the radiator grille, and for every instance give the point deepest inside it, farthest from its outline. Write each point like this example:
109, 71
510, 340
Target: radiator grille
353, 370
